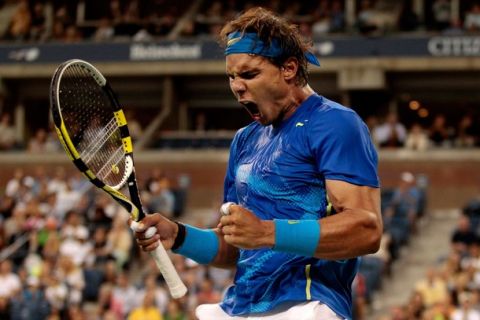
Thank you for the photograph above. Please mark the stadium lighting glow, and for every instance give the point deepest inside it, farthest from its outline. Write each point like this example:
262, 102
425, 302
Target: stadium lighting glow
414, 105
423, 113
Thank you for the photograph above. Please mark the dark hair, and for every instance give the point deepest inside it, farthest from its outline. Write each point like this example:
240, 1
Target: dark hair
268, 26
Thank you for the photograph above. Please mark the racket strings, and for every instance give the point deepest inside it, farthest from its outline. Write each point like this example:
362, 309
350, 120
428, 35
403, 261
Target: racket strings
96, 138
87, 111
111, 165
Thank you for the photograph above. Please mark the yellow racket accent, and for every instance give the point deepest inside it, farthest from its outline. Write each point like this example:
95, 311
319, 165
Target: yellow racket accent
122, 198
68, 141
120, 117
62, 141
127, 144
89, 174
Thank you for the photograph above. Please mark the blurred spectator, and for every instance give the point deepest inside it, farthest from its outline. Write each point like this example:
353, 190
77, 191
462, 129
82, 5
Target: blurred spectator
7, 9
116, 11
407, 19
104, 32
56, 293
441, 10
160, 295
366, 19
175, 311
391, 133
439, 133
72, 275
162, 198
123, 296
75, 236
467, 133
416, 306
417, 139
102, 212
10, 282
31, 303
463, 235
207, 292
42, 16
8, 139
472, 18
148, 310
7, 204
454, 29
321, 26
66, 199
201, 122
100, 250
72, 34
402, 212
292, 11
399, 313
433, 289
58, 31
119, 241
20, 23
467, 309
73, 227
51, 247
337, 16
43, 141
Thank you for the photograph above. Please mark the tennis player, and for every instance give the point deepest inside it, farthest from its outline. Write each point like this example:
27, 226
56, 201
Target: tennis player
304, 177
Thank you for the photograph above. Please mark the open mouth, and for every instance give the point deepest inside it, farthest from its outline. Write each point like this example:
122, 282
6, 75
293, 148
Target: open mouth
252, 109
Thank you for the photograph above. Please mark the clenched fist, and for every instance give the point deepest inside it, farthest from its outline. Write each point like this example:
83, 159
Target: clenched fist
243, 229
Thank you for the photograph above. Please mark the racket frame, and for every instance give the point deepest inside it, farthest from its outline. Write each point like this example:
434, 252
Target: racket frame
133, 205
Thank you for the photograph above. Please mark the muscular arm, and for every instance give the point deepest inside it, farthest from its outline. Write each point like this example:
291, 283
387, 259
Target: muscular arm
357, 227
355, 230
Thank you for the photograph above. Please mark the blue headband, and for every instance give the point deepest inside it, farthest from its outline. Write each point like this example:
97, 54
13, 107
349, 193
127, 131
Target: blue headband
251, 43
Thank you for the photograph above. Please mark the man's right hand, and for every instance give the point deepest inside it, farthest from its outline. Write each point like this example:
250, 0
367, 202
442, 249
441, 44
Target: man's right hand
166, 232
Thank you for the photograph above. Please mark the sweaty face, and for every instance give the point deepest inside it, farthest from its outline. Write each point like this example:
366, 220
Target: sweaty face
258, 85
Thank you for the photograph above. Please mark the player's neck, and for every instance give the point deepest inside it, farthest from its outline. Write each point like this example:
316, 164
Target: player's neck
294, 100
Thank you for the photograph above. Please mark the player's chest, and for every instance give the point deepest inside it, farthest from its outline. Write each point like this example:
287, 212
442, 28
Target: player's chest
284, 156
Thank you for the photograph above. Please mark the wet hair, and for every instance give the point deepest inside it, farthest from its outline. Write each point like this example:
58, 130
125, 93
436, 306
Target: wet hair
268, 26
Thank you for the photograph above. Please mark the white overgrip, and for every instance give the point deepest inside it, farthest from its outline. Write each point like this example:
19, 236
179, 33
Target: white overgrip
175, 284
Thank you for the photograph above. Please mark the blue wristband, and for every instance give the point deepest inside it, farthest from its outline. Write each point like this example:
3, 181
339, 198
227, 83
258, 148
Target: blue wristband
199, 245
297, 236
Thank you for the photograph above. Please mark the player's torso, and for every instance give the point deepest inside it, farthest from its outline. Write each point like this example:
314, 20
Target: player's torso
276, 177
276, 174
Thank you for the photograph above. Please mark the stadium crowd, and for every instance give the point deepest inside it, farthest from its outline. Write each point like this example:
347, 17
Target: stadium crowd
72, 21
66, 251
74, 257
387, 132
451, 287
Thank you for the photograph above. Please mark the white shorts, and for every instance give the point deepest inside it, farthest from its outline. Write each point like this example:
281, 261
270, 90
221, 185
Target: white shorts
312, 310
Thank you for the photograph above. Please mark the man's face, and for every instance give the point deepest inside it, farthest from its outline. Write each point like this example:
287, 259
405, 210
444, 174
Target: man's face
258, 85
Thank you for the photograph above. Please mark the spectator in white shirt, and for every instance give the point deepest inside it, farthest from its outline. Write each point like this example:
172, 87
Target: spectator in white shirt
10, 282
391, 133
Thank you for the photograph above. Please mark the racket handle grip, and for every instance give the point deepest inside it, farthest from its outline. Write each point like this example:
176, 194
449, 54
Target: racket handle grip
175, 284
164, 263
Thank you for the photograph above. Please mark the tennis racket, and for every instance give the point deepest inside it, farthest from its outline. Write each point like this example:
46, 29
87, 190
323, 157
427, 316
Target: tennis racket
93, 130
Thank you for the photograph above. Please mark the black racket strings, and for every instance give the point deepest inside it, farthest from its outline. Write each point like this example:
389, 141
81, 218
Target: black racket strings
88, 116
